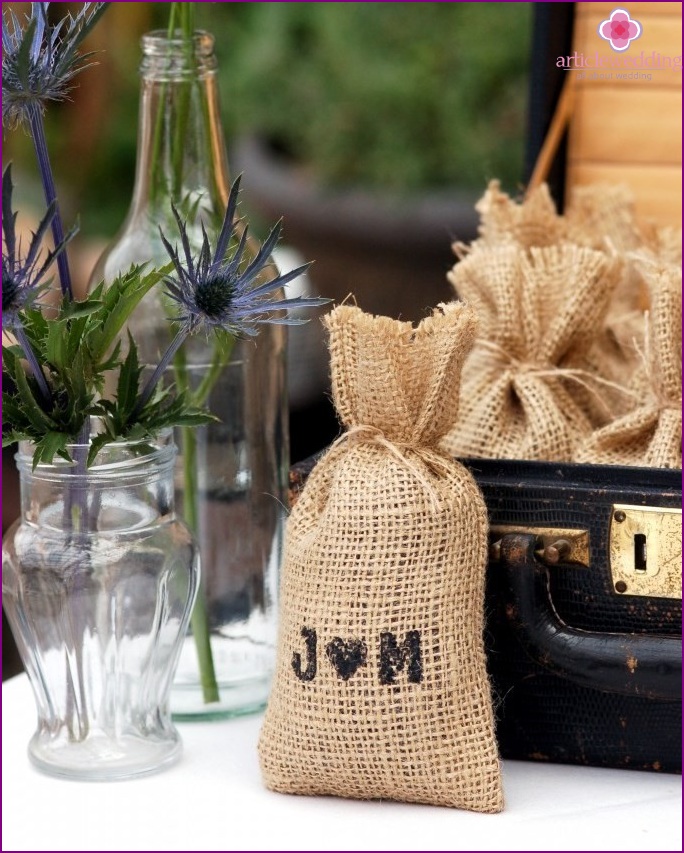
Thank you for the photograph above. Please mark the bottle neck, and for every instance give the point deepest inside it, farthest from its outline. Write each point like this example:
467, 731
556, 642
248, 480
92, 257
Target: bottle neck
181, 152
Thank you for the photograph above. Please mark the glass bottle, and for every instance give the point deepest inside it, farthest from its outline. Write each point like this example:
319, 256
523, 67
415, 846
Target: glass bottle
98, 582
231, 477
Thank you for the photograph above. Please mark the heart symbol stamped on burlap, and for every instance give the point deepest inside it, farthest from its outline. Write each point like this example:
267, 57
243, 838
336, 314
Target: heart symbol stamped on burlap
346, 656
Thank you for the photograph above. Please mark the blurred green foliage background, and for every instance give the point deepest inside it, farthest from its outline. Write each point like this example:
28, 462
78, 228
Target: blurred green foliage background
401, 96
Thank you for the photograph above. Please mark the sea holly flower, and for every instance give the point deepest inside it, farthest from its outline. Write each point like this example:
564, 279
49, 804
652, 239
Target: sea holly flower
40, 60
217, 291
23, 279
620, 30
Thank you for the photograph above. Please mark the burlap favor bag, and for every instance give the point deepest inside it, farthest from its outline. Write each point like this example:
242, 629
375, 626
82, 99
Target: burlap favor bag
380, 688
651, 434
599, 217
527, 386
528, 224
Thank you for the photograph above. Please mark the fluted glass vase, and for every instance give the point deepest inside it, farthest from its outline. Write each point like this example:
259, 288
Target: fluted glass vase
98, 582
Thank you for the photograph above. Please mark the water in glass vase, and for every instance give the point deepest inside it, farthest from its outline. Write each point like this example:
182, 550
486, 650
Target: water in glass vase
239, 466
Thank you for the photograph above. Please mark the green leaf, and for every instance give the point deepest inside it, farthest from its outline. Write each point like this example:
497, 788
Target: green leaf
12, 350
129, 380
83, 308
24, 54
90, 23
120, 300
112, 361
50, 444
10, 354
195, 419
12, 438
56, 349
12, 415
96, 445
36, 328
29, 405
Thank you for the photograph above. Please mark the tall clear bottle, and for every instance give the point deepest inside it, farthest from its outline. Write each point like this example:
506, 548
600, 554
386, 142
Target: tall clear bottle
231, 476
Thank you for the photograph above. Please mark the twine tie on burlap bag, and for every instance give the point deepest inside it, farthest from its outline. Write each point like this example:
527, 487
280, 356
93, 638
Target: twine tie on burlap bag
540, 311
550, 371
650, 434
371, 434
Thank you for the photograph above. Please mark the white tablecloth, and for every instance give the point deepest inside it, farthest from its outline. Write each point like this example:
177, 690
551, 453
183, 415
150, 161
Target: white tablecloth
213, 799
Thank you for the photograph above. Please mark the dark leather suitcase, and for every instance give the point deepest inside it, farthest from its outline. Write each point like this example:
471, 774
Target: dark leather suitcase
583, 611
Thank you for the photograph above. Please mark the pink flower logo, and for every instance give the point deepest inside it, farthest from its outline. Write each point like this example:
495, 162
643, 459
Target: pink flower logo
620, 30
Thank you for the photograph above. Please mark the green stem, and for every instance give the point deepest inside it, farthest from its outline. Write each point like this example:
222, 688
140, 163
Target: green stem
181, 18
186, 25
173, 15
179, 133
199, 620
221, 358
156, 166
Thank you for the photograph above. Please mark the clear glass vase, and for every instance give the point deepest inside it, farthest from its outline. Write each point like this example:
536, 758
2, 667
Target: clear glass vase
98, 582
232, 474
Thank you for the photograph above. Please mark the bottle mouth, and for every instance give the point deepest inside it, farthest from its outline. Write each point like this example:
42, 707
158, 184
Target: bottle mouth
177, 55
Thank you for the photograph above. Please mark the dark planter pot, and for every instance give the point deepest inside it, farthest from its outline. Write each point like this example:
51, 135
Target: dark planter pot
391, 253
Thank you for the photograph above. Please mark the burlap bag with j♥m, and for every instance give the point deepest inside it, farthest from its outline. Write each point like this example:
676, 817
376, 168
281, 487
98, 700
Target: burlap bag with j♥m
380, 688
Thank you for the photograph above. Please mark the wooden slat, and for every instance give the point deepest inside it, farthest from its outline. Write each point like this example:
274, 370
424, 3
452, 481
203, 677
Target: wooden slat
657, 189
627, 124
660, 34
634, 9
629, 130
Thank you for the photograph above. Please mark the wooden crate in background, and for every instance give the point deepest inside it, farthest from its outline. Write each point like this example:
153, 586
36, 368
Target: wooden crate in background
630, 131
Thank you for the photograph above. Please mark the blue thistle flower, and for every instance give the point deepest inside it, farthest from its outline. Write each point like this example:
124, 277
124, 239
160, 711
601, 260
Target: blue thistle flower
217, 291
39, 60
22, 278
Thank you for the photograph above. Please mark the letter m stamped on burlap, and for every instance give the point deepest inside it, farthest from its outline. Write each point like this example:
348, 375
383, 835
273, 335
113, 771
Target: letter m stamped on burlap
394, 657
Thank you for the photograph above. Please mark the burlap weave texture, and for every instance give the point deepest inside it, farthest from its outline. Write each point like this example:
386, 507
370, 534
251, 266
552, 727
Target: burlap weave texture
651, 434
526, 384
380, 688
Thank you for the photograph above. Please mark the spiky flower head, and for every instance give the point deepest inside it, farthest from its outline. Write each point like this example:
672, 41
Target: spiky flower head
22, 277
218, 291
39, 59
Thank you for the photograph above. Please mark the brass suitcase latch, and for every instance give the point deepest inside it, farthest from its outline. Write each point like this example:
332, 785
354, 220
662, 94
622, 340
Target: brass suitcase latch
646, 551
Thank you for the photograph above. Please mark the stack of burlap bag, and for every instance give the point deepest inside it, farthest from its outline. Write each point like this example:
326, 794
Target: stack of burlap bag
381, 689
578, 353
